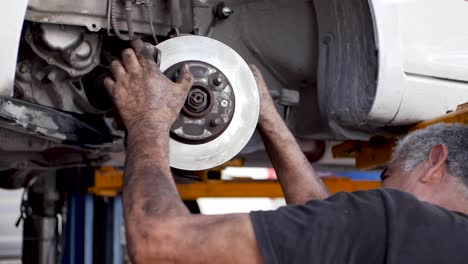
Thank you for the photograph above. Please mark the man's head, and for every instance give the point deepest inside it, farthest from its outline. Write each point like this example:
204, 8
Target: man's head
432, 164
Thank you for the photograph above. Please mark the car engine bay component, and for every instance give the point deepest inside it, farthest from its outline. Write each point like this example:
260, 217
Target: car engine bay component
55, 65
68, 47
147, 16
40, 83
82, 131
222, 11
197, 140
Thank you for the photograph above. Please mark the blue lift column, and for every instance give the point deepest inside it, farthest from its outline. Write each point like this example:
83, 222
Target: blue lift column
108, 230
78, 248
93, 231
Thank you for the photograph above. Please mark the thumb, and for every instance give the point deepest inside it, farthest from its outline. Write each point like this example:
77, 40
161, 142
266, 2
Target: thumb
185, 79
146, 54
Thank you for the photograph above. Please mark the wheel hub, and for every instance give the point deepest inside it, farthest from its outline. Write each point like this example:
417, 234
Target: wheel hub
209, 106
221, 113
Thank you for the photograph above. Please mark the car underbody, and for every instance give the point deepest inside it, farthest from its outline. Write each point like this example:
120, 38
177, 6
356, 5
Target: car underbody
320, 59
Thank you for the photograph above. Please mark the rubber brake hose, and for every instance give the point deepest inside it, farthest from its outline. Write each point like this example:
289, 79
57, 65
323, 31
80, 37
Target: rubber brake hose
114, 14
149, 17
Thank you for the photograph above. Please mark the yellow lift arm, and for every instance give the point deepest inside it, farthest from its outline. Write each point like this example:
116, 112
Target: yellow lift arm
109, 181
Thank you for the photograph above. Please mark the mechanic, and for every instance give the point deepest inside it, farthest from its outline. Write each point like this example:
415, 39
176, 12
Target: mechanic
419, 217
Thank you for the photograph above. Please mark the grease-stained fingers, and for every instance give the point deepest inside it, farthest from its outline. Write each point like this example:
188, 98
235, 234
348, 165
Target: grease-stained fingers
138, 45
130, 61
145, 54
118, 70
110, 85
185, 79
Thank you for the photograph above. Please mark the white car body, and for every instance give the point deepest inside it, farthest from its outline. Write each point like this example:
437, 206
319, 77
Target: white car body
422, 52
12, 15
423, 59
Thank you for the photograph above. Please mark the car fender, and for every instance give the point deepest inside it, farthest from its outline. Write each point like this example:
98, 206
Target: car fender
11, 22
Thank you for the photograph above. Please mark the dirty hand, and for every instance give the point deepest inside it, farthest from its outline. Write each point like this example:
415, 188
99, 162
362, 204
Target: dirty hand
142, 93
267, 106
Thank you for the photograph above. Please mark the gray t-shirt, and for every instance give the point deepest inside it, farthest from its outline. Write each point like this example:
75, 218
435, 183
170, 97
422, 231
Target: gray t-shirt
377, 226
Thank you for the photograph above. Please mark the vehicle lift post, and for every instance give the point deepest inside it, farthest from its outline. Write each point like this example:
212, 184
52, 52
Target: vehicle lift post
41, 205
93, 231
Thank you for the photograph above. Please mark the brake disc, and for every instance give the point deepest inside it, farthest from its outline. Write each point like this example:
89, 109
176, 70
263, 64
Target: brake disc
221, 110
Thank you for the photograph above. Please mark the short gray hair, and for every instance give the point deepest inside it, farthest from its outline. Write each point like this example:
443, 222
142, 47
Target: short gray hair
415, 148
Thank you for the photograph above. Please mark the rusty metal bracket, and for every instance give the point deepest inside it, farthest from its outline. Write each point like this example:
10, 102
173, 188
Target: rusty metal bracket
108, 181
368, 154
458, 116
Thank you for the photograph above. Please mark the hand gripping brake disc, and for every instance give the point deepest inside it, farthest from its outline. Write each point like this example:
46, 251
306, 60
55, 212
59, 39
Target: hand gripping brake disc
222, 108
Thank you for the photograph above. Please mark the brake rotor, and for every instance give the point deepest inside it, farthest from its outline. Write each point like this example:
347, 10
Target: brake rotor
221, 110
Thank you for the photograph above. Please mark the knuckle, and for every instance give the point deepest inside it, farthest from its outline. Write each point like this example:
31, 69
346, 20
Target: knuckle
115, 64
187, 78
149, 69
127, 52
135, 75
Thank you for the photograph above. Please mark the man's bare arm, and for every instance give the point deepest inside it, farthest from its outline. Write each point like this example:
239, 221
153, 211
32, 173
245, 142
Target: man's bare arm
298, 179
159, 227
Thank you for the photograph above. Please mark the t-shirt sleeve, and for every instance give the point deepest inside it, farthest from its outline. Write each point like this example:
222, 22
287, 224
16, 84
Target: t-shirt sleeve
345, 228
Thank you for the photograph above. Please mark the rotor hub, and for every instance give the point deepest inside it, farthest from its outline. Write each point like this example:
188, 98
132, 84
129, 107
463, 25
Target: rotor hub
220, 113
197, 102
209, 106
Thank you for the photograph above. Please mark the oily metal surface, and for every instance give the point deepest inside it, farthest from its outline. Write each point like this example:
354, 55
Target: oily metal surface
243, 123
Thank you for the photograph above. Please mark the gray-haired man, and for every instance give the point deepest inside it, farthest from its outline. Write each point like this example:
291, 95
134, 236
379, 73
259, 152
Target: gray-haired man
420, 217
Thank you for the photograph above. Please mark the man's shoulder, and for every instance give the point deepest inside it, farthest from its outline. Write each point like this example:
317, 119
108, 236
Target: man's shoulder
402, 210
395, 224
388, 205
377, 194
387, 198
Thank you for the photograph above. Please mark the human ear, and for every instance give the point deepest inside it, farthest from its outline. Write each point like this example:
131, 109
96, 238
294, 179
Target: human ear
436, 163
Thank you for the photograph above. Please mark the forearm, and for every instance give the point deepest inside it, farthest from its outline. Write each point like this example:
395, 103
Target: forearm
298, 179
157, 222
149, 191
